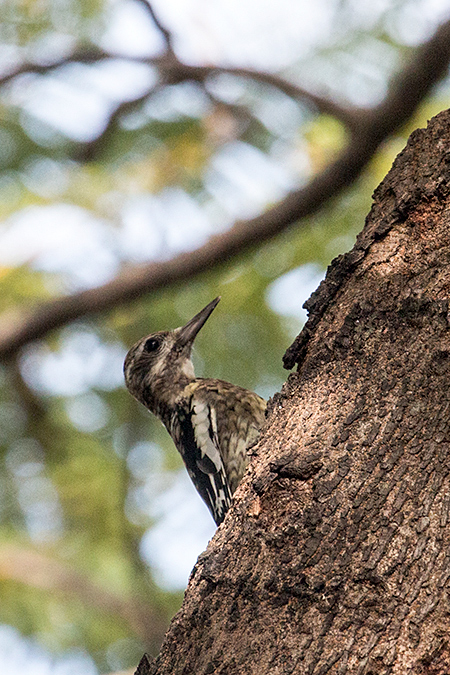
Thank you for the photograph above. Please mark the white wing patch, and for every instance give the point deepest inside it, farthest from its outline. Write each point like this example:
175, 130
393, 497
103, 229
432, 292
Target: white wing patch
205, 425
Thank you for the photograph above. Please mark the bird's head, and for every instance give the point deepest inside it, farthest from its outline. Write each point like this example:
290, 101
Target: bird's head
160, 361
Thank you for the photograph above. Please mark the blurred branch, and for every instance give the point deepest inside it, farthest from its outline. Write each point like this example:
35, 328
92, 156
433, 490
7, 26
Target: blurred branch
172, 71
428, 65
30, 402
167, 35
346, 115
35, 569
89, 151
82, 55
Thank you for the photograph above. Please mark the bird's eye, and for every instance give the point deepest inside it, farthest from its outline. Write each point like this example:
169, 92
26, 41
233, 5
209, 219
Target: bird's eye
151, 345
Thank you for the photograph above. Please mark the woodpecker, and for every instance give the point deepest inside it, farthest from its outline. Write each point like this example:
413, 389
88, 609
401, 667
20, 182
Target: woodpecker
212, 422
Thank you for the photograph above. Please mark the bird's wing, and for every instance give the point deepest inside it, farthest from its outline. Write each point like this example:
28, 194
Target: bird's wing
213, 425
200, 449
239, 416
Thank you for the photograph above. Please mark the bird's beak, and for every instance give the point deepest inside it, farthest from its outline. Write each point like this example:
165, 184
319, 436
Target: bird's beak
188, 332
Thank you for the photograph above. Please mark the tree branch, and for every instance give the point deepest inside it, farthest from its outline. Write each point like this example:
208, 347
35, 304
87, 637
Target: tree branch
346, 115
429, 64
88, 55
174, 71
166, 34
88, 152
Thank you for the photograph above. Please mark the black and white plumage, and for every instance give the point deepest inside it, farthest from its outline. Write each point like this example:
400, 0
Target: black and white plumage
212, 422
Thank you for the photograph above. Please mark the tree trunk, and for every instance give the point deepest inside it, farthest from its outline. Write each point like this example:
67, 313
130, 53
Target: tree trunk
335, 557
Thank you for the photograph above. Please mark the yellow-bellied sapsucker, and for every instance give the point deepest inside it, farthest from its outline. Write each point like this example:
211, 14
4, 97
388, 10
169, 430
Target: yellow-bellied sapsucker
212, 422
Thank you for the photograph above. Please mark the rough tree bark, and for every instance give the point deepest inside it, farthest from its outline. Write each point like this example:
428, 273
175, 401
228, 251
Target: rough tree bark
336, 555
